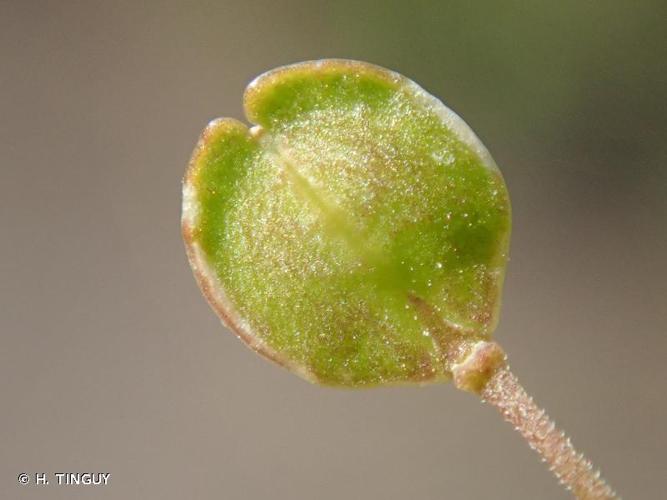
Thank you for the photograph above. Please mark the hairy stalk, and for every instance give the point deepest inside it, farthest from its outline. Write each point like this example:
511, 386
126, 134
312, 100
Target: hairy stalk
484, 371
574, 471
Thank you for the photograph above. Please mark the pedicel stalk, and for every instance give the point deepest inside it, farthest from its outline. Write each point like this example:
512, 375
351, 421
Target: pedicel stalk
357, 234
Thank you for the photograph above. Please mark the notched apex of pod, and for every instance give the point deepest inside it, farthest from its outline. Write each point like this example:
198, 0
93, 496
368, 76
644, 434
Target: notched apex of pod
356, 234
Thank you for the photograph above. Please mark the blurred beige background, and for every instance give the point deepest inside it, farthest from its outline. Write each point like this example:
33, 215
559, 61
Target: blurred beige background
111, 360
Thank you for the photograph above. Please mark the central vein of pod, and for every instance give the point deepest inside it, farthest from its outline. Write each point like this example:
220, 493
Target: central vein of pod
451, 341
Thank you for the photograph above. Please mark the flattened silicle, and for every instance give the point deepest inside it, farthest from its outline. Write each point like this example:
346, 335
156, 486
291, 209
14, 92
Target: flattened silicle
357, 234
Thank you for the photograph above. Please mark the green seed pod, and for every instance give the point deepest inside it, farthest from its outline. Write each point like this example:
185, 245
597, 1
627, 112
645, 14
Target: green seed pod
356, 234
